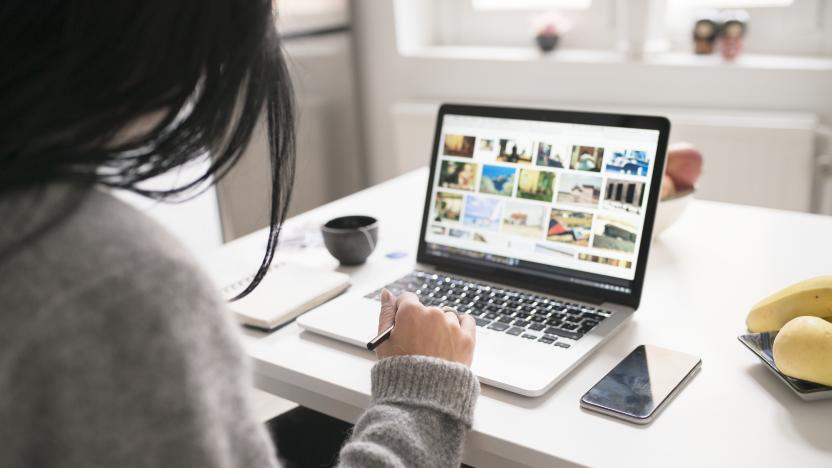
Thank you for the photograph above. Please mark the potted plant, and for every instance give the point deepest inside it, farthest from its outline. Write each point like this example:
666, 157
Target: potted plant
548, 28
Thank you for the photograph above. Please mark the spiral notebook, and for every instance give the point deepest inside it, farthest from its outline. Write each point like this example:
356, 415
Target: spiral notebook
286, 291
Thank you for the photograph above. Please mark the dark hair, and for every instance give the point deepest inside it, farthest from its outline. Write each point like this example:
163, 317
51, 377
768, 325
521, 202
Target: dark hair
74, 74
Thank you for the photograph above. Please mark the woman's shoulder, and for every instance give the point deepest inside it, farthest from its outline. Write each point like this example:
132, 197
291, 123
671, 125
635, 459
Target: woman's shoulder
107, 266
106, 317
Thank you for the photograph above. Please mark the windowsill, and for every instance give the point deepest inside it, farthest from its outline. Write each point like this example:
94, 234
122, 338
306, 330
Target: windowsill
602, 57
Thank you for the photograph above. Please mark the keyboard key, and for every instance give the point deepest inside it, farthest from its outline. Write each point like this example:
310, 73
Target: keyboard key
569, 326
594, 317
537, 326
481, 322
561, 344
506, 318
516, 331
520, 323
546, 340
551, 337
499, 326
529, 337
563, 333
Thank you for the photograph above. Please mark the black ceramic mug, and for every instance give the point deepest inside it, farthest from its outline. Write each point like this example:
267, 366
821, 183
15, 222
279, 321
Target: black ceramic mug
351, 239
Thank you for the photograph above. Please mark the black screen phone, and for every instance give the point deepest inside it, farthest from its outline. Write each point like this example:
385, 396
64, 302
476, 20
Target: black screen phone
640, 385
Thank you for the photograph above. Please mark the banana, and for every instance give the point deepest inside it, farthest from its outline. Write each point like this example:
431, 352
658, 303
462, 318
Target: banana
810, 297
803, 350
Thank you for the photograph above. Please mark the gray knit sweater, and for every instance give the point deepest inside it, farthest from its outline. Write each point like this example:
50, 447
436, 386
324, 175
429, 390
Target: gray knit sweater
116, 351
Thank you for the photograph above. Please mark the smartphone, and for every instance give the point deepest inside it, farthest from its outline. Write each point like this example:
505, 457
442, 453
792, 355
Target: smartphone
641, 384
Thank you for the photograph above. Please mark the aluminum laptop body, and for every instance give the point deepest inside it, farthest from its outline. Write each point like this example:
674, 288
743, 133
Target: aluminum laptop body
554, 206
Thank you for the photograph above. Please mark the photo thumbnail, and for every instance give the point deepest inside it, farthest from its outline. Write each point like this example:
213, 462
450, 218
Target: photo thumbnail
624, 195
459, 233
605, 260
614, 234
550, 156
536, 185
587, 158
497, 180
570, 227
482, 213
459, 145
633, 162
458, 175
438, 230
487, 149
448, 207
491, 238
524, 219
579, 189
514, 151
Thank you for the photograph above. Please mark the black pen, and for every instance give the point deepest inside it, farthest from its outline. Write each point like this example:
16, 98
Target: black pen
381, 338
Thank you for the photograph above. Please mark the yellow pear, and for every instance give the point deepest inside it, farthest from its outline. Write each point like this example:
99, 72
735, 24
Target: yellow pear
810, 297
803, 350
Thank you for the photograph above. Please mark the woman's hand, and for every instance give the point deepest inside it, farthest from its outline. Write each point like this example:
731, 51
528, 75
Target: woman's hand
426, 331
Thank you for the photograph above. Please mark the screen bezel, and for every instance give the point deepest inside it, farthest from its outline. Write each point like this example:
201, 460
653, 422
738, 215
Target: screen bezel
540, 283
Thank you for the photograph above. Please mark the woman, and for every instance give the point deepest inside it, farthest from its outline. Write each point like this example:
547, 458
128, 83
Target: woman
114, 348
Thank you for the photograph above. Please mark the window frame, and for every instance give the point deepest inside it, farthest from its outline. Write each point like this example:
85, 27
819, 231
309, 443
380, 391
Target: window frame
802, 28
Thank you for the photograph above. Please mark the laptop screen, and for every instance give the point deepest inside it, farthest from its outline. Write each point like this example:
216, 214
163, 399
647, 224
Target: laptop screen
562, 200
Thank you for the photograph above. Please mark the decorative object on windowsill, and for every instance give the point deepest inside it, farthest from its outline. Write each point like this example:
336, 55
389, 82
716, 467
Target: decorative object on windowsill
705, 34
548, 28
684, 166
732, 33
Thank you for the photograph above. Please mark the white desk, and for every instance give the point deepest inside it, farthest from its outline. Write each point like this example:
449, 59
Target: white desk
703, 275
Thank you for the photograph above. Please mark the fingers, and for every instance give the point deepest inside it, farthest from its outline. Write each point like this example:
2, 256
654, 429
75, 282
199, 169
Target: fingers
452, 317
451, 310
468, 325
426, 331
406, 299
388, 310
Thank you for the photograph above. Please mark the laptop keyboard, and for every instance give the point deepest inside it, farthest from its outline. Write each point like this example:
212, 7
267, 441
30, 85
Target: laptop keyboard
524, 315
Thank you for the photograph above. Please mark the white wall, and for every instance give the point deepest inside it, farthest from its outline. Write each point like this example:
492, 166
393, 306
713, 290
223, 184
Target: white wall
330, 162
426, 72
195, 222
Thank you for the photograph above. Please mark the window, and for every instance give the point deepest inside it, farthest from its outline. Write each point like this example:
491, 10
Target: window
531, 4
508, 22
777, 27
734, 3
786, 27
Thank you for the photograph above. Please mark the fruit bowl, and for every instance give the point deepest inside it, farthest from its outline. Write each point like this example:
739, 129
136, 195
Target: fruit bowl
671, 209
760, 344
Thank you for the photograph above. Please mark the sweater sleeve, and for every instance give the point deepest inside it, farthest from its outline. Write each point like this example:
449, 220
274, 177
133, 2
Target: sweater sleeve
419, 414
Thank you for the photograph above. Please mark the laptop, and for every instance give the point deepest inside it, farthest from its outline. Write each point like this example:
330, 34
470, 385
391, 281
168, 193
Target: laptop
537, 223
